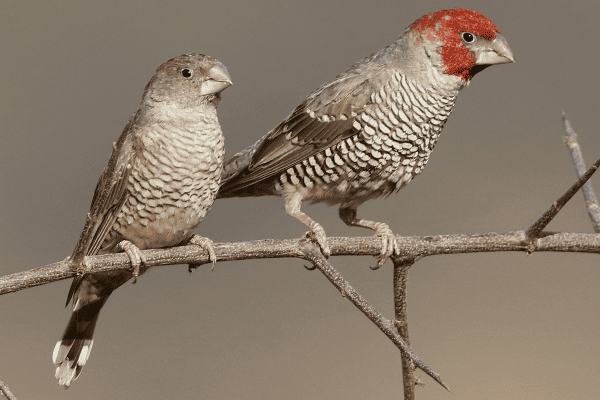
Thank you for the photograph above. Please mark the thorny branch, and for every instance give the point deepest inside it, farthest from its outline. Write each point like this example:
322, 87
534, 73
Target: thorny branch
5, 391
401, 266
588, 192
411, 248
313, 254
290, 248
535, 229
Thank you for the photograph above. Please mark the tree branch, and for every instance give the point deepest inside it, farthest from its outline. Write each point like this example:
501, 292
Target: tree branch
535, 229
290, 248
4, 390
591, 201
401, 266
313, 254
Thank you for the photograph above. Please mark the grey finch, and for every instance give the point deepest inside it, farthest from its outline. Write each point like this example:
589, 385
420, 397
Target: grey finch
161, 180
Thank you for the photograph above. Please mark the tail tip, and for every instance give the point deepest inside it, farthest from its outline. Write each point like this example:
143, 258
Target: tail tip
67, 370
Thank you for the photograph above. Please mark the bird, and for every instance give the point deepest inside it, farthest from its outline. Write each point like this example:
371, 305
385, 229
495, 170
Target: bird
369, 131
161, 180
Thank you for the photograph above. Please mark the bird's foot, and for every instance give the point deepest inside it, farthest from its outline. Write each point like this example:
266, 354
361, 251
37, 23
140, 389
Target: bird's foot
389, 245
135, 257
207, 245
317, 234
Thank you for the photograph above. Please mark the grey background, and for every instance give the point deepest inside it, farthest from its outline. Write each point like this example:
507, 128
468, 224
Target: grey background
495, 326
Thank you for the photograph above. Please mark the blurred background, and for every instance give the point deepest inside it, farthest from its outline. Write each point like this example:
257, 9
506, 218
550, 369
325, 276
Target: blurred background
495, 326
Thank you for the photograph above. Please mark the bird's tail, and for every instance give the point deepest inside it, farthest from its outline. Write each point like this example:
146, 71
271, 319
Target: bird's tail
73, 349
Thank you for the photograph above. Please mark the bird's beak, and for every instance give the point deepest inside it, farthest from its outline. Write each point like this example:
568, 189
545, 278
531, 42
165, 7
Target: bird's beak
218, 81
497, 52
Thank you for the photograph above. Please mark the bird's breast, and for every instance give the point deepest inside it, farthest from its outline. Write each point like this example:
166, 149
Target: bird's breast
172, 185
397, 132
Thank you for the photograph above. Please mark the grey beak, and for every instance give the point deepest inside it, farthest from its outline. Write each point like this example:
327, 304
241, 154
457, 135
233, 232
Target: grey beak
498, 52
218, 81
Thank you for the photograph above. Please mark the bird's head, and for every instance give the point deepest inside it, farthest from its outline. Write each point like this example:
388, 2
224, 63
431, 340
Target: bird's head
189, 80
461, 42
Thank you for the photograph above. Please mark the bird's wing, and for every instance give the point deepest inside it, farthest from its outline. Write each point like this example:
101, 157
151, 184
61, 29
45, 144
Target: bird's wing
109, 196
324, 119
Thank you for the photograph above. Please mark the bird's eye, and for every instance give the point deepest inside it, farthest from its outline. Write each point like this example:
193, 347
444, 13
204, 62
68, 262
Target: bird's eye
468, 37
187, 73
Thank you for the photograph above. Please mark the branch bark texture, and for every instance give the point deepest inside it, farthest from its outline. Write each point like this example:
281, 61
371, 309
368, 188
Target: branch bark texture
5, 391
421, 246
591, 201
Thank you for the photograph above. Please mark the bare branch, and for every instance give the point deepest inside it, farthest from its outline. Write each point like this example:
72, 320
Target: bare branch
591, 201
313, 255
535, 229
401, 266
4, 390
290, 248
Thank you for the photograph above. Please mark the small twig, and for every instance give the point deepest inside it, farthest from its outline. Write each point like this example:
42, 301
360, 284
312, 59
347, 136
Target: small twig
4, 390
591, 201
313, 255
534, 231
401, 266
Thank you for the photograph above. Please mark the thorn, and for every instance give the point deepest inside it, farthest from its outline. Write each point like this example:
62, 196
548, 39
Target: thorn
310, 268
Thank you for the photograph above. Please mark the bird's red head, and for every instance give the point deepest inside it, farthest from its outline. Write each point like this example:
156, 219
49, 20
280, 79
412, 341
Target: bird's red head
446, 26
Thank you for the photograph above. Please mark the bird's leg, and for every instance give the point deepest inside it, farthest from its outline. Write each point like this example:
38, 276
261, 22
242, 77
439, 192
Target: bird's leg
207, 245
389, 245
292, 204
135, 256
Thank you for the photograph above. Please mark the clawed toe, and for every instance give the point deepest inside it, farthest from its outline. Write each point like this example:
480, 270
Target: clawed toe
310, 268
135, 257
389, 245
207, 245
317, 234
